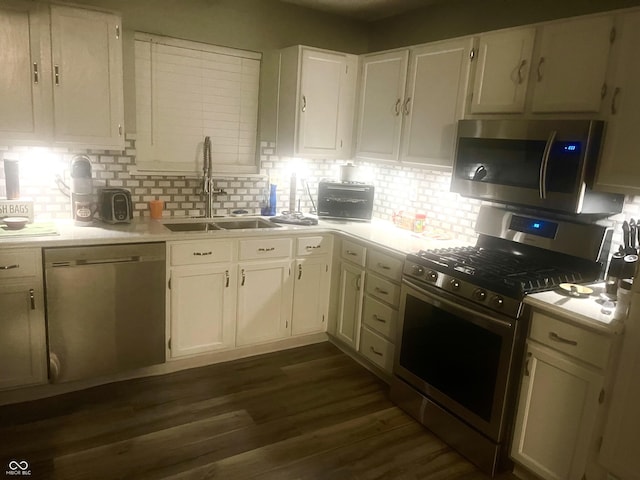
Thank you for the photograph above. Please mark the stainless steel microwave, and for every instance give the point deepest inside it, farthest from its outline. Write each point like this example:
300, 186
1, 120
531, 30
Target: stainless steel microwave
542, 164
345, 200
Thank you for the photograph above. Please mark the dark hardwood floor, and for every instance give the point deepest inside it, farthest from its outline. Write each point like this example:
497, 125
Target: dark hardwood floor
306, 413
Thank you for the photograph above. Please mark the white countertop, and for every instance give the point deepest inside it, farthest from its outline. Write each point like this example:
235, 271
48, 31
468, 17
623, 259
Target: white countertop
585, 312
379, 232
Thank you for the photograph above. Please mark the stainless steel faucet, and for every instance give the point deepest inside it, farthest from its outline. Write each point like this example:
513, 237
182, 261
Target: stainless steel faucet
208, 188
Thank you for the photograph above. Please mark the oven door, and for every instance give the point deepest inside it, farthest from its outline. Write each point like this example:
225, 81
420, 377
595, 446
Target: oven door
458, 356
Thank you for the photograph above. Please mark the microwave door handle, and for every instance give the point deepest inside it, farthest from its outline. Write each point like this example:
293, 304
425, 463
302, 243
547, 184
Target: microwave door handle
545, 163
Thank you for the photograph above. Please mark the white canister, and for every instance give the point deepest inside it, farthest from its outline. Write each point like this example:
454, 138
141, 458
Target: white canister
624, 299
348, 173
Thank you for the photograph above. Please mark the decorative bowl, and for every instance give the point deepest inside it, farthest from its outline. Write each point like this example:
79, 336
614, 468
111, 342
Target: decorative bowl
15, 223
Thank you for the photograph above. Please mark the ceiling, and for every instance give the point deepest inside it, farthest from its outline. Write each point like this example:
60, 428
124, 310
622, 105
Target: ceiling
366, 10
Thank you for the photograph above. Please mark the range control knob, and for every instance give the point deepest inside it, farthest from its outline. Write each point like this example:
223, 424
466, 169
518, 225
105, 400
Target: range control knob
417, 270
497, 301
479, 294
432, 275
455, 284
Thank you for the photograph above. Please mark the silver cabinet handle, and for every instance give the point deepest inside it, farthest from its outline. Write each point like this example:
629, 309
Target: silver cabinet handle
304, 103
614, 97
32, 298
226, 278
383, 266
383, 292
557, 338
405, 108
299, 272
378, 319
353, 254
312, 247
270, 249
36, 77
56, 74
373, 350
9, 267
202, 254
243, 278
526, 365
358, 283
540, 71
397, 106
520, 77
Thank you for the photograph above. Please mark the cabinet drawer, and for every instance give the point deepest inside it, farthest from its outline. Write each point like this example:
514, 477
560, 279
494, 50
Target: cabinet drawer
205, 251
265, 248
380, 317
383, 289
570, 339
385, 265
353, 252
377, 350
313, 245
19, 263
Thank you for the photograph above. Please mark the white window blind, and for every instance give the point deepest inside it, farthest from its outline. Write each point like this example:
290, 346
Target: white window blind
188, 90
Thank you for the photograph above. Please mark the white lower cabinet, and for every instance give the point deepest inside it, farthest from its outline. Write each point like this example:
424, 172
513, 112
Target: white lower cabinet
310, 295
203, 309
264, 301
23, 341
350, 304
201, 296
560, 400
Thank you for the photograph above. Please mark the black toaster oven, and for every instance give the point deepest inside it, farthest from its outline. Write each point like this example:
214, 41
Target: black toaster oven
340, 200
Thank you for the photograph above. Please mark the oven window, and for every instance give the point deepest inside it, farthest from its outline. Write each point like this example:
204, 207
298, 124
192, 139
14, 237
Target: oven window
457, 357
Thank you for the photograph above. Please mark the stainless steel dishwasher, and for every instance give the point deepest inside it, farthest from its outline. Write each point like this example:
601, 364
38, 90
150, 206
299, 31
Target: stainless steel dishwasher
105, 309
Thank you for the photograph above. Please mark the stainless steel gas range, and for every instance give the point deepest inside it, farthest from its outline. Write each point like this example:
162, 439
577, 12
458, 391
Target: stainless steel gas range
463, 324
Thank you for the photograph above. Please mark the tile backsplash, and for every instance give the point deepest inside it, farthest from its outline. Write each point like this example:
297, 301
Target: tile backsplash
414, 189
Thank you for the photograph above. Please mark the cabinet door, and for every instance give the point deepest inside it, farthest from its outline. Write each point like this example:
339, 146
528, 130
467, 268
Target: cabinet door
202, 309
87, 77
382, 83
23, 81
264, 302
618, 170
556, 415
435, 101
620, 452
310, 295
322, 80
350, 304
571, 66
502, 71
22, 344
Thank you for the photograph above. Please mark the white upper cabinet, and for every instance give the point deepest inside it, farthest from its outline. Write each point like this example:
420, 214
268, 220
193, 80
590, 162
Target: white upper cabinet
315, 103
411, 101
23, 76
435, 101
383, 79
618, 169
87, 77
502, 71
62, 80
570, 66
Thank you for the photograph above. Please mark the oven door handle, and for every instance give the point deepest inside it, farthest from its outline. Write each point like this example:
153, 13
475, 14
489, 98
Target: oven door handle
456, 306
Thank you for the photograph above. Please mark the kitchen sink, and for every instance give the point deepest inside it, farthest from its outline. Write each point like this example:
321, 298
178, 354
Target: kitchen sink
242, 223
224, 223
192, 227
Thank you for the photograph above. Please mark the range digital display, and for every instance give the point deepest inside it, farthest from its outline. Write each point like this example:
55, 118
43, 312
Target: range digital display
533, 226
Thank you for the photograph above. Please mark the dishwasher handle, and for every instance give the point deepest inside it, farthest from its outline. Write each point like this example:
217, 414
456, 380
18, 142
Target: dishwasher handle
100, 261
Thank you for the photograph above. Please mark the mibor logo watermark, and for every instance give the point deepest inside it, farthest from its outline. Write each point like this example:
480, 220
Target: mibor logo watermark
18, 468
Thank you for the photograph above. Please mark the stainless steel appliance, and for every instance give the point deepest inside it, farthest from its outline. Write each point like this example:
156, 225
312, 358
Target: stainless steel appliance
547, 164
82, 199
115, 205
463, 324
105, 309
345, 200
